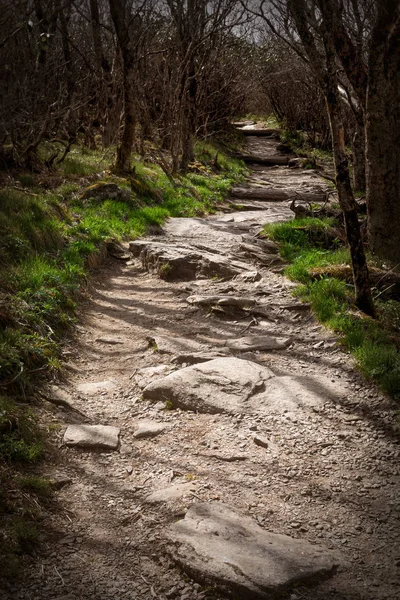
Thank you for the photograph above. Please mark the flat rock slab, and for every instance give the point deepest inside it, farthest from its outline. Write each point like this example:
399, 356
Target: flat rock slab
219, 545
171, 493
252, 343
148, 429
238, 386
95, 437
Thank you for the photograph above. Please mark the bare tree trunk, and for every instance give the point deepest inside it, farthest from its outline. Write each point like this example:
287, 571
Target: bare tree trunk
106, 103
124, 151
122, 23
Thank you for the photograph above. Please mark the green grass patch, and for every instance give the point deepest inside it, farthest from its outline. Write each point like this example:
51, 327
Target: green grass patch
375, 343
305, 260
306, 242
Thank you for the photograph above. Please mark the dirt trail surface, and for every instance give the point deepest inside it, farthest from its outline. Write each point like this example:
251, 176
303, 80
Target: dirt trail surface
283, 459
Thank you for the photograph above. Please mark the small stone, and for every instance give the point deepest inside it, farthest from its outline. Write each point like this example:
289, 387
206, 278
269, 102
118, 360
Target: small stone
318, 345
148, 429
260, 441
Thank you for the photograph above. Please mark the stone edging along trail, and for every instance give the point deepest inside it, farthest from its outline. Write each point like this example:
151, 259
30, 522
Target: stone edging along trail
274, 470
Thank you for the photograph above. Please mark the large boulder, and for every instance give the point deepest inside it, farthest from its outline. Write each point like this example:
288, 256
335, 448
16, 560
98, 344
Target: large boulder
237, 386
173, 262
219, 385
217, 545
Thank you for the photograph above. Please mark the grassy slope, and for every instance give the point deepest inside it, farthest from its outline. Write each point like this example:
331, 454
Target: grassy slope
49, 238
374, 343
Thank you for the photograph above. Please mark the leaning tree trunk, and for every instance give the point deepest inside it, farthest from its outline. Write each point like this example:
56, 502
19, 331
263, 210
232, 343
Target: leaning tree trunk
349, 207
343, 183
383, 142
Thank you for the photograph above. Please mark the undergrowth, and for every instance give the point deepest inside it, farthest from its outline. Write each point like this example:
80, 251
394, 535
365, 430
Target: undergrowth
50, 237
375, 343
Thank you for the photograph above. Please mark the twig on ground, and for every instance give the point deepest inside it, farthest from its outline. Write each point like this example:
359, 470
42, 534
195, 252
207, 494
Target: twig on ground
252, 322
59, 575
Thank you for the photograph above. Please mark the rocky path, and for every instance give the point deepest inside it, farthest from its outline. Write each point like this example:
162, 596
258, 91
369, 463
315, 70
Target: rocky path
250, 456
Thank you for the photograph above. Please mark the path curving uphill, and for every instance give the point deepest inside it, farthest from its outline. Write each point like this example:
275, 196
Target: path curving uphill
274, 471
